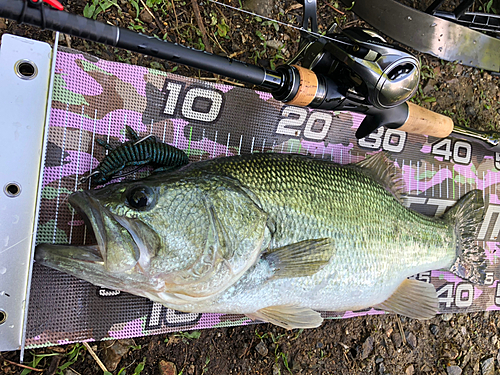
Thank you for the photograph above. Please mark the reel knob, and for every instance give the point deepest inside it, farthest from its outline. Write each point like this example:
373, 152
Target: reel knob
397, 83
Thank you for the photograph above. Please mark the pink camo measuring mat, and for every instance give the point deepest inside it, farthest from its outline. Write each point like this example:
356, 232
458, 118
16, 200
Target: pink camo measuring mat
96, 99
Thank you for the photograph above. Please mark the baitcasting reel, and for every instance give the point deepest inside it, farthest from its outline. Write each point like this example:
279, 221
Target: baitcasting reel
372, 69
354, 69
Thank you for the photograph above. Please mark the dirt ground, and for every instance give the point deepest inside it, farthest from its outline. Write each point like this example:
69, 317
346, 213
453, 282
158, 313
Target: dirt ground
447, 344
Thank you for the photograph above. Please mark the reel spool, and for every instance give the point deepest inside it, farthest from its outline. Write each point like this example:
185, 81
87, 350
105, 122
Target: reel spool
380, 73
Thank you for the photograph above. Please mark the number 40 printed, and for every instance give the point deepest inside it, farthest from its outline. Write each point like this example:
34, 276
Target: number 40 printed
459, 152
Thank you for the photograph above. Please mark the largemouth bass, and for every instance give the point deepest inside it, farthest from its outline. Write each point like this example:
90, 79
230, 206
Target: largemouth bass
276, 237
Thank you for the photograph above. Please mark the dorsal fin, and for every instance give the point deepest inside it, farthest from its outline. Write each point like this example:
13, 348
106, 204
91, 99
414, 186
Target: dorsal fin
381, 169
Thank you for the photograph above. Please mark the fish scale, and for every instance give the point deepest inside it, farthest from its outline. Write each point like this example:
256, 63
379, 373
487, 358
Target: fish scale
275, 237
319, 196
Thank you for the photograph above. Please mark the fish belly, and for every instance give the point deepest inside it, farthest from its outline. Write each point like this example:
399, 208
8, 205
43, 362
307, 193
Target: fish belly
351, 283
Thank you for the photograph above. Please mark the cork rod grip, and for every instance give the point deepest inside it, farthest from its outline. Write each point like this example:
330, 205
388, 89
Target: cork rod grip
423, 121
308, 86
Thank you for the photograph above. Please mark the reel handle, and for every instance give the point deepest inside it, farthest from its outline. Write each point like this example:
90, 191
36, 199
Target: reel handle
424, 121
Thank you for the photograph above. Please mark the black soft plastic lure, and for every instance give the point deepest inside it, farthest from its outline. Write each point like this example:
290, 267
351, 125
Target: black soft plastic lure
136, 152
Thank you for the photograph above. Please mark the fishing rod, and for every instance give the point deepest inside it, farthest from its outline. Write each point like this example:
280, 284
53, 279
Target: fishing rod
355, 70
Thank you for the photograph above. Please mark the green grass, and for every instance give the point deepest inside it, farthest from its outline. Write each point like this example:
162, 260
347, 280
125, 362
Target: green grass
68, 359
95, 7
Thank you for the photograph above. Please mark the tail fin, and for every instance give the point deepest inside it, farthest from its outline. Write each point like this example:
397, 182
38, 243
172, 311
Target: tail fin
467, 214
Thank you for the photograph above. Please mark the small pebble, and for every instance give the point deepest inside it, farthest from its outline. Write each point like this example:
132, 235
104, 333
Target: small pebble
453, 370
275, 44
450, 351
488, 366
367, 348
425, 368
145, 17
396, 339
469, 110
167, 368
112, 355
261, 348
410, 370
276, 369
411, 340
380, 359
429, 87
434, 329
446, 317
381, 368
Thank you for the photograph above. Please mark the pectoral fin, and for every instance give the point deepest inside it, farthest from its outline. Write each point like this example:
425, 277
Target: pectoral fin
303, 258
414, 299
288, 316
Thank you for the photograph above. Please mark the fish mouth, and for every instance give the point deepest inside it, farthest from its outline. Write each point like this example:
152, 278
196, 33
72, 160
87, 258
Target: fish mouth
116, 252
53, 255
89, 210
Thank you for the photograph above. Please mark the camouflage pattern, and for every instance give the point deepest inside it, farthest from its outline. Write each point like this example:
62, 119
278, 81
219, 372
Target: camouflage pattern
95, 99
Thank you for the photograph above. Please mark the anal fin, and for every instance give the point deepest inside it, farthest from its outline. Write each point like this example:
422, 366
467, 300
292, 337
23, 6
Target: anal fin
288, 316
414, 299
299, 259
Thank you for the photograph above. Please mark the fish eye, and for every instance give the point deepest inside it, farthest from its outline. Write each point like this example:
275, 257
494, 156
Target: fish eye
140, 197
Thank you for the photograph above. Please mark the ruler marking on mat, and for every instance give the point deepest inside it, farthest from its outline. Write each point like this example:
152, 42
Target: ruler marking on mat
418, 177
484, 189
76, 176
176, 135
91, 162
409, 171
425, 178
60, 174
203, 141
227, 143
109, 132
447, 184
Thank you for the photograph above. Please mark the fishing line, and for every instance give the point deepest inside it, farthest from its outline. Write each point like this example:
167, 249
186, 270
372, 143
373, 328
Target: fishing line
273, 20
